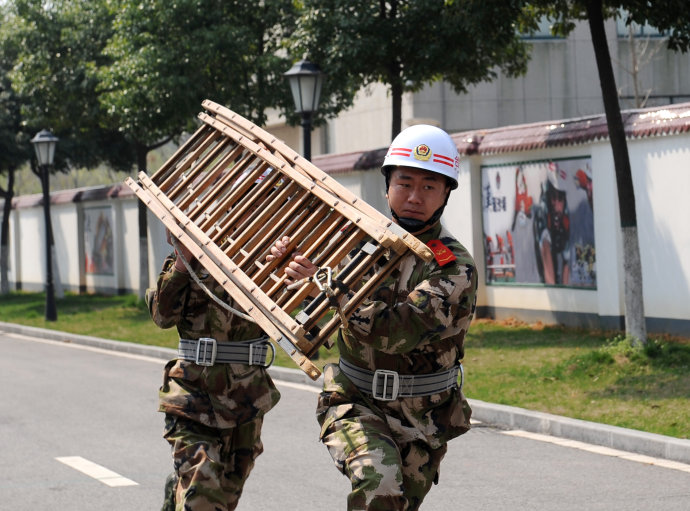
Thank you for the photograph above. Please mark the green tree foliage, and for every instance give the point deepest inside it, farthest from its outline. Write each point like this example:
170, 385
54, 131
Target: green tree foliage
59, 43
168, 57
406, 44
669, 16
14, 142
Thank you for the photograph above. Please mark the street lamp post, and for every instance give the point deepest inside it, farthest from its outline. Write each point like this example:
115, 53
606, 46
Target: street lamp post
305, 81
44, 143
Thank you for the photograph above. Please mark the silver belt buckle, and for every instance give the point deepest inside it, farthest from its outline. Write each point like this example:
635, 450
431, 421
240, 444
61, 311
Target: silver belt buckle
255, 351
206, 348
380, 383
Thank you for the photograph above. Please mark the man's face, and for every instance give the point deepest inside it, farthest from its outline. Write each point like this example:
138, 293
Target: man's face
416, 193
558, 202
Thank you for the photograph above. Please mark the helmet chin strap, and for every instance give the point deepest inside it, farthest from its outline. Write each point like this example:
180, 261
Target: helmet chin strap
413, 225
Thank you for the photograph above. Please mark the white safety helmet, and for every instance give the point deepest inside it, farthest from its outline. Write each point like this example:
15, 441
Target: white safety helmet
424, 147
556, 176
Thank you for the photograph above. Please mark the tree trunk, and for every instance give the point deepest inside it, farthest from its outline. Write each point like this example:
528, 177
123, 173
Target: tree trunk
389, 11
142, 151
5, 234
396, 93
634, 302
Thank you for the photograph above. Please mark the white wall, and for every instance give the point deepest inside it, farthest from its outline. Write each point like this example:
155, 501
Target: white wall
66, 234
607, 233
29, 264
661, 172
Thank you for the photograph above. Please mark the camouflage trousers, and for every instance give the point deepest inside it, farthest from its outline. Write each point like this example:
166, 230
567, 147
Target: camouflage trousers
386, 474
211, 465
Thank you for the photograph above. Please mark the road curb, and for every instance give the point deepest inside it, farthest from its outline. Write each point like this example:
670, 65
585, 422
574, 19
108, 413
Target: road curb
86, 340
650, 444
504, 416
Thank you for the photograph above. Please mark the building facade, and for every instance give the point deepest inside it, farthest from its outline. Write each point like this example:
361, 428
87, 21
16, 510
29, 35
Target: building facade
561, 82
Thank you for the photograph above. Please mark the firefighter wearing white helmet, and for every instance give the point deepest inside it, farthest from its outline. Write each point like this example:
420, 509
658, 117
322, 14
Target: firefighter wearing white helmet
429, 149
552, 228
394, 400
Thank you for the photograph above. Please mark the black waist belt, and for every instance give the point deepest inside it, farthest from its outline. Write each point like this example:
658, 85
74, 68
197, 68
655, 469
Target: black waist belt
389, 385
207, 351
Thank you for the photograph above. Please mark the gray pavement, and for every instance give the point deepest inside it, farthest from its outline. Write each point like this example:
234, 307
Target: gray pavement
509, 417
83, 433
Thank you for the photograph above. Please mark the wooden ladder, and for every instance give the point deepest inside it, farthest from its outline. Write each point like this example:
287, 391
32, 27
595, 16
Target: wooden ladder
232, 190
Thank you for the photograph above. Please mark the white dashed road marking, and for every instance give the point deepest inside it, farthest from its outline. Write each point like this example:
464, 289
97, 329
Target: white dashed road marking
98, 472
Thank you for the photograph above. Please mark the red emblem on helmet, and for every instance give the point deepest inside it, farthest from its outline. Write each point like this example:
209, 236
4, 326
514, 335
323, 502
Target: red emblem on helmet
422, 152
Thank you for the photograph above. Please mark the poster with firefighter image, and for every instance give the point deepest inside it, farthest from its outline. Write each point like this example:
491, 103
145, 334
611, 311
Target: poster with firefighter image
98, 240
539, 223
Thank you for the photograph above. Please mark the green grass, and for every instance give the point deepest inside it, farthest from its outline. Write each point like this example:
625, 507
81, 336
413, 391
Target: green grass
122, 318
590, 375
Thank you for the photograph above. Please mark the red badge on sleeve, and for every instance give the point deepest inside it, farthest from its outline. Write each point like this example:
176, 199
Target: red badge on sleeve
441, 252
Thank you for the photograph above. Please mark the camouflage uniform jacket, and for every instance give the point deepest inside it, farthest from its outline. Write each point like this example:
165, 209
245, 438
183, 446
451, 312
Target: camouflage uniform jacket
220, 396
414, 323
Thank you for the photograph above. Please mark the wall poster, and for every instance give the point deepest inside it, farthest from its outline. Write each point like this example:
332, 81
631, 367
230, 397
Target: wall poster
98, 240
539, 223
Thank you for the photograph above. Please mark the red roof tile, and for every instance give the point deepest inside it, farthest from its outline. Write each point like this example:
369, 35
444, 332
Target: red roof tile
336, 163
74, 195
638, 123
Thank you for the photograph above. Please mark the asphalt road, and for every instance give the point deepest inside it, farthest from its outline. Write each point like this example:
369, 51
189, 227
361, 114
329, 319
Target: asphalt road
65, 406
